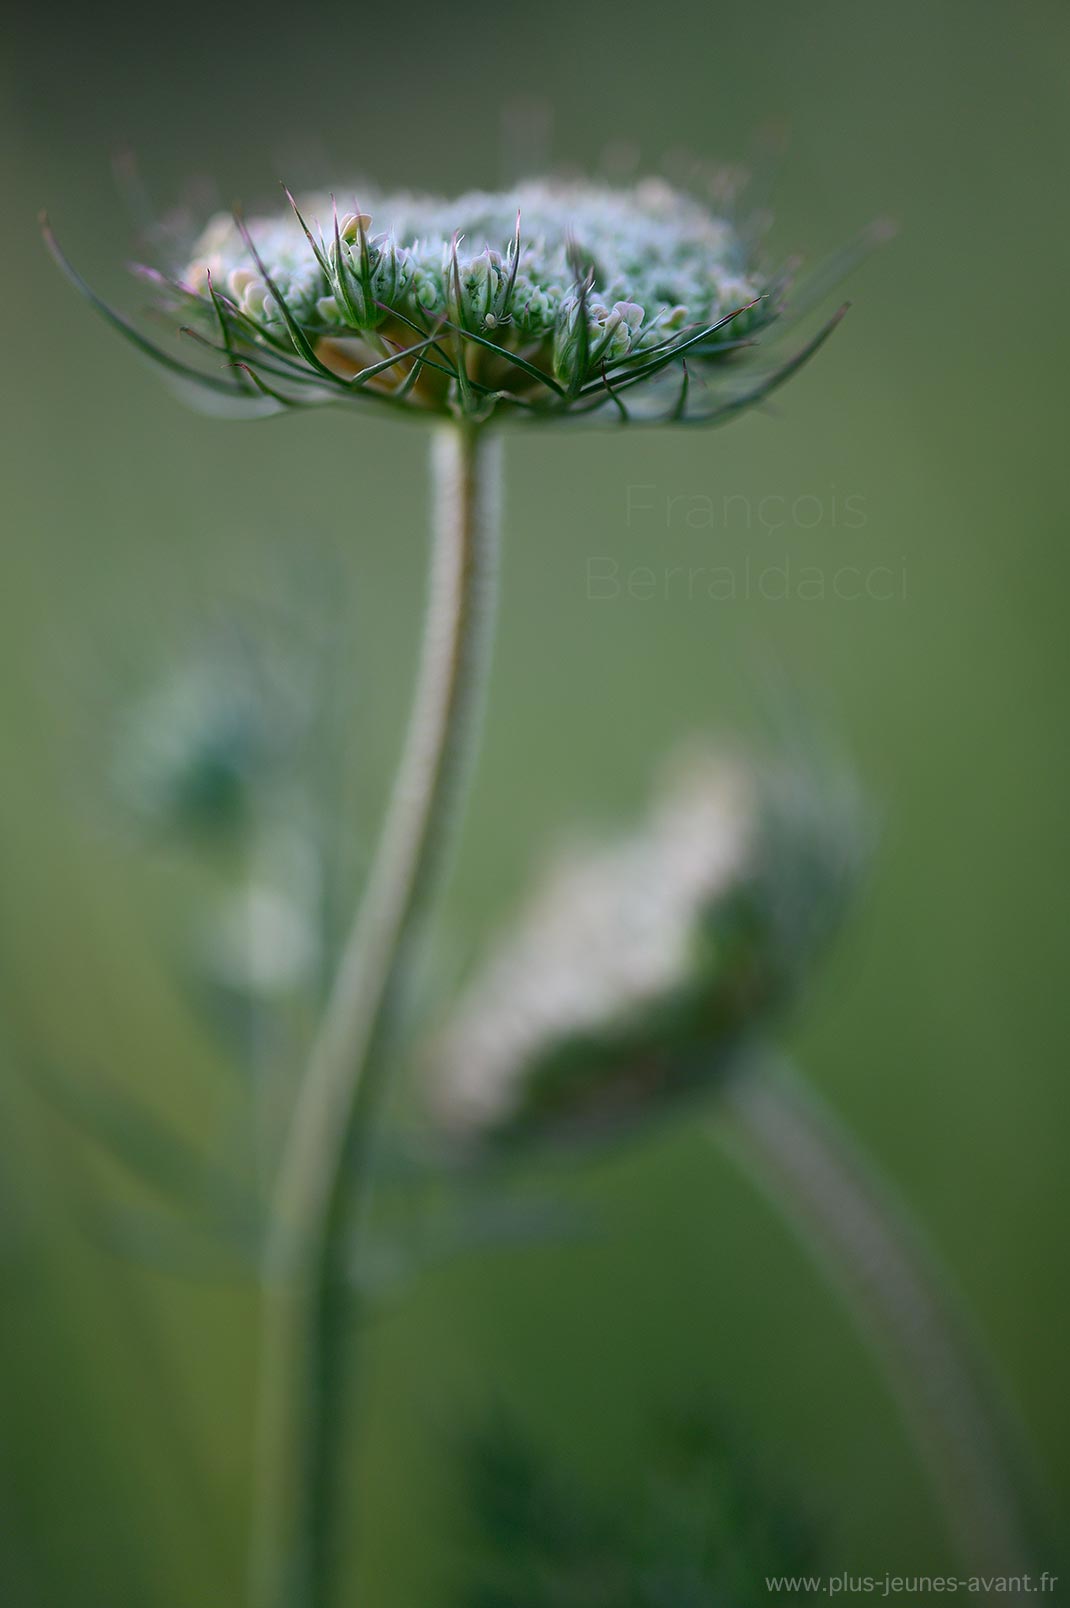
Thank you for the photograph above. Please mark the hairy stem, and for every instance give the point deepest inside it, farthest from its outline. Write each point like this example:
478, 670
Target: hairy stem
862, 1239
325, 1176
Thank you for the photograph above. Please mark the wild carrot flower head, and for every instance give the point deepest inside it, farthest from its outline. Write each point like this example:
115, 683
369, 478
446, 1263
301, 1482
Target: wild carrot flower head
639, 968
552, 300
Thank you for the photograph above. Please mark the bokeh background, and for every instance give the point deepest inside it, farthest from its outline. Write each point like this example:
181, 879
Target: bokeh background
938, 1029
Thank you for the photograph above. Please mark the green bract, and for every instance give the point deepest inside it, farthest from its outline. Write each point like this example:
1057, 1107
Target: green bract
548, 301
640, 968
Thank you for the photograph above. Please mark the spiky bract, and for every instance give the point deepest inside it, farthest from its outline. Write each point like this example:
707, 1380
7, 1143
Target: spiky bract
550, 301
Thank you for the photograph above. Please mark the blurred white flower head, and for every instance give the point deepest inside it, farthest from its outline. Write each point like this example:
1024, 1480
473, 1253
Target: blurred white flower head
638, 967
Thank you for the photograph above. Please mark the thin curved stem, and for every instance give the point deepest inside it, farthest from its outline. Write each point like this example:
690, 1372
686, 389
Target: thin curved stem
325, 1177
861, 1237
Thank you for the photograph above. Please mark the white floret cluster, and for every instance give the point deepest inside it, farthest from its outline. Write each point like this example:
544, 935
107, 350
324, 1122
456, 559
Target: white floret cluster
642, 264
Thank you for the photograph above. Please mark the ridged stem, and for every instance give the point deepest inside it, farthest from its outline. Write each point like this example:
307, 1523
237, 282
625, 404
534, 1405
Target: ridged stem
326, 1172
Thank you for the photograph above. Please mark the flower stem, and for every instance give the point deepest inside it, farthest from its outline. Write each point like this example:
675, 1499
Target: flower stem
860, 1235
325, 1176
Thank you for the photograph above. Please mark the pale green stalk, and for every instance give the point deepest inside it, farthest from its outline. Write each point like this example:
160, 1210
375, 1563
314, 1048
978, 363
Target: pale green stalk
861, 1237
326, 1172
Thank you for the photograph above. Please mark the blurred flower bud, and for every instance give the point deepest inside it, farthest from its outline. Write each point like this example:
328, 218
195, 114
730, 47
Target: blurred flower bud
183, 755
260, 941
640, 967
189, 753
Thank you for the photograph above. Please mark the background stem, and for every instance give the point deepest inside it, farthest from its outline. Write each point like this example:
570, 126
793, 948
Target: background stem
325, 1175
859, 1234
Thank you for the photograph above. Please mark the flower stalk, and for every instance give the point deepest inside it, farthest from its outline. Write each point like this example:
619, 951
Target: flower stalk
858, 1234
326, 1175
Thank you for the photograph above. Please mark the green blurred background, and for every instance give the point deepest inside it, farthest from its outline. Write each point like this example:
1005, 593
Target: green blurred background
939, 1030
